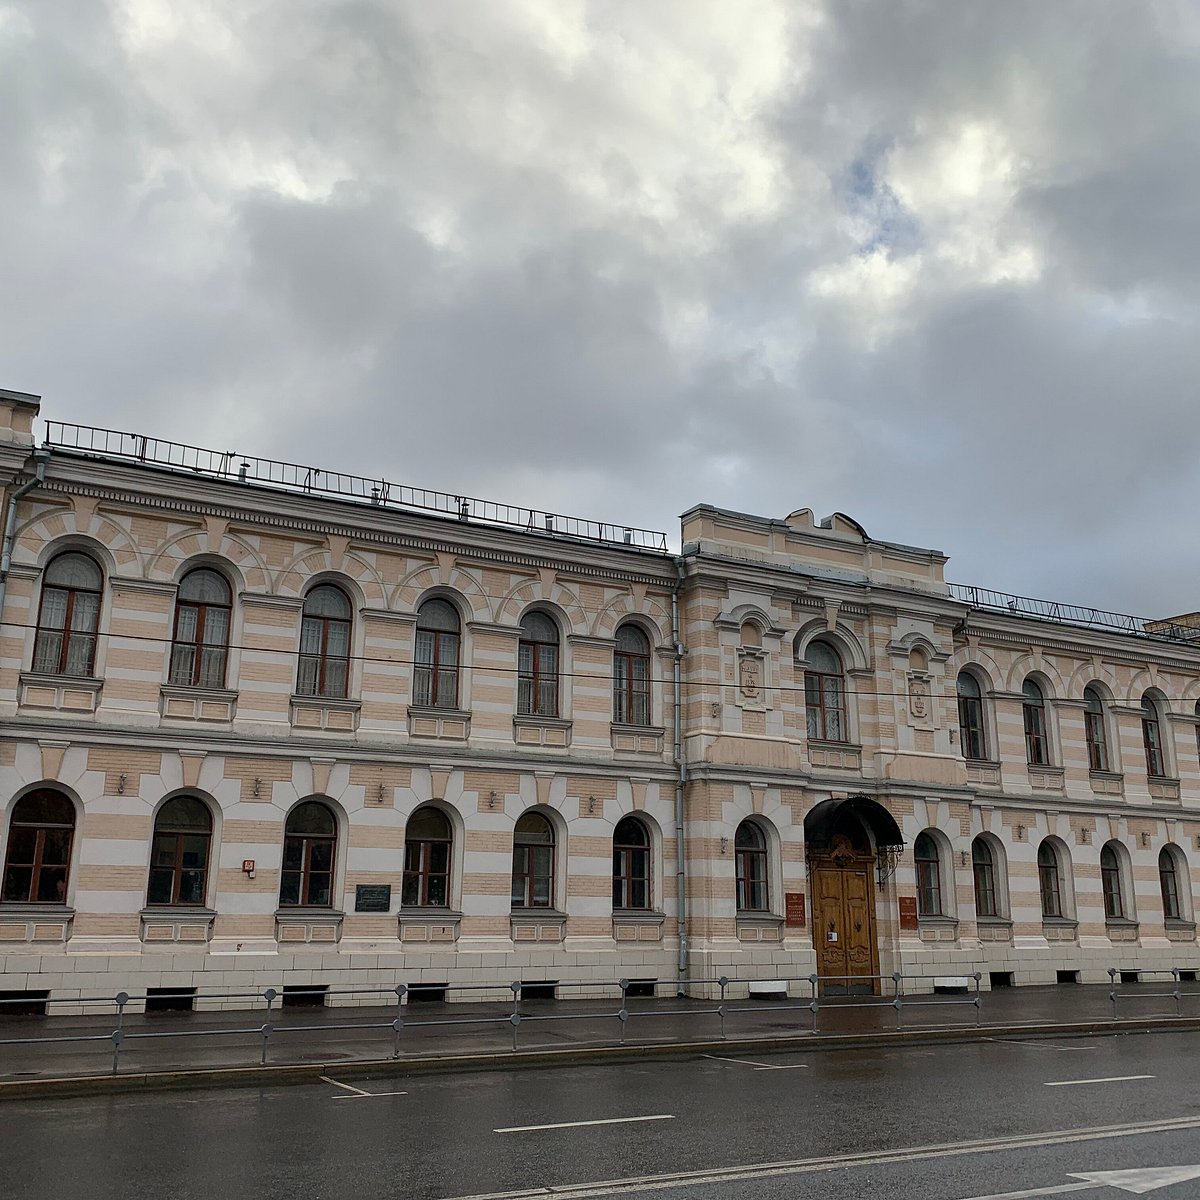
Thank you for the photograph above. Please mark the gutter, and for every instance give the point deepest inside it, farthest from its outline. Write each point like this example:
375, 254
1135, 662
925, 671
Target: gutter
680, 782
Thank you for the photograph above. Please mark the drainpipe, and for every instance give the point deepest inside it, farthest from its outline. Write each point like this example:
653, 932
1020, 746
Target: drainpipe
680, 781
41, 456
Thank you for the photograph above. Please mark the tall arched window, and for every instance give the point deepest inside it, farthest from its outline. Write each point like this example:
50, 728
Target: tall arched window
631, 864
426, 860
69, 616
1168, 882
325, 644
824, 694
631, 677
38, 860
1093, 725
1033, 705
1198, 727
929, 876
201, 641
537, 666
435, 676
970, 717
179, 854
309, 844
983, 865
750, 854
1152, 737
533, 862
1050, 881
1110, 882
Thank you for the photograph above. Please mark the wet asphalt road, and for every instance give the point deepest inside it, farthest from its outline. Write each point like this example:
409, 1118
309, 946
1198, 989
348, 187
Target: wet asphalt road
439, 1140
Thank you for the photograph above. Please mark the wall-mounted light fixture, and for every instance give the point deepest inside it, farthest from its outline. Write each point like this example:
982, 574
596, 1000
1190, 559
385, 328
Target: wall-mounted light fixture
491, 799
1145, 838
591, 804
121, 780
1020, 833
380, 793
724, 844
962, 857
257, 788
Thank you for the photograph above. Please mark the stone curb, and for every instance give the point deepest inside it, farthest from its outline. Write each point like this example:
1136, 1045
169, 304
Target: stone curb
223, 1077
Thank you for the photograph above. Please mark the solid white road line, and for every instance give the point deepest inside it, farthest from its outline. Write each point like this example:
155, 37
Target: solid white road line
346, 1086
807, 1166
368, 1095
742, 1062
1109, 1079
578, 1124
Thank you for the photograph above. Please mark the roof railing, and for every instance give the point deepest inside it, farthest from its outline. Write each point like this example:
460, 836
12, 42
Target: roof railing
1072, 614
292, 477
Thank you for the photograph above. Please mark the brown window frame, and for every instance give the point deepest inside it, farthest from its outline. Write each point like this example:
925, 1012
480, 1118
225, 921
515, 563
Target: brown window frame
1156, 764
164, 833
928, 862
1037, 741
1110, 883
197, 645
632, 867
631, 696
752, 870
1168, 885
983, 873
305, 871
541, 678
1095, 731
419, 869
523, 867
972, 734
1050, 881
429, 673
65, 633
817, 706
322, 657
37, 863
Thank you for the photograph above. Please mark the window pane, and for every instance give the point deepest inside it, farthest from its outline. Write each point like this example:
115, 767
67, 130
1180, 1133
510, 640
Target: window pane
159, 889
54, 609
212, 667
289, 888
52, 885
17, 881
80, 648
183, 662
422, 686
47, 652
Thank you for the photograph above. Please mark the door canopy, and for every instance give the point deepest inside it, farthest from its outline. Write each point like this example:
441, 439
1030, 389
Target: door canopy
853, 818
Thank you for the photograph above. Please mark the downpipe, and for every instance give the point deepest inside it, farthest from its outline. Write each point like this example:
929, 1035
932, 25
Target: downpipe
41, 456
680, 781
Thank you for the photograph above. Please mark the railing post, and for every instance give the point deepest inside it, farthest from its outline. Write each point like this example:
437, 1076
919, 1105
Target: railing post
515, 1019
1175, 977
398, 1022
897, 1002
267, 1028
118, 1034
978, 1000
723, 981
1112, 993
623, 1011
814, 981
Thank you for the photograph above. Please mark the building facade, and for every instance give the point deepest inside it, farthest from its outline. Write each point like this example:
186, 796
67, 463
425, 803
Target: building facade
267, 726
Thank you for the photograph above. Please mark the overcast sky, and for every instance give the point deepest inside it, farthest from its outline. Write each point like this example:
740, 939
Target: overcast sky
932, 264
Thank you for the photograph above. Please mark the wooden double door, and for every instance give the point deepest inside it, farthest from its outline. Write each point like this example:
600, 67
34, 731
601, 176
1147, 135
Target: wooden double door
843, 900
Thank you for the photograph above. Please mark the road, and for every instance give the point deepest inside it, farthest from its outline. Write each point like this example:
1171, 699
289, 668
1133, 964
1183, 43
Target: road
988, 1119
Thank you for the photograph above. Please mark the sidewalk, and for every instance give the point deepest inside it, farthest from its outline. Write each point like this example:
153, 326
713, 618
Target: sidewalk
181, 1048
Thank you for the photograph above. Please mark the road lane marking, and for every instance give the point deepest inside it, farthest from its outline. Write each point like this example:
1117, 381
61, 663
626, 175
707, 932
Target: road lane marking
1108, 1079
367, 1095
807, 1166
1037, 1045
578, 1124
1140, 1180
785, 1067
742, 1062
346, 1086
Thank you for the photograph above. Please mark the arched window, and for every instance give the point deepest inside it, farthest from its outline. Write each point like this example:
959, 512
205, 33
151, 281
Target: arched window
325, 644
309, 843
201, 641
435, 676
533, 862
1033, 704
970, 717
426, 860
38, 860
1152, 737
1168, 882
1050, 881
824, 694
631, 677
750, 853
537, 666
983, 865
179, 854
929, 876
1198, 727
1110, 882
631, 864
69, 616
1093, 725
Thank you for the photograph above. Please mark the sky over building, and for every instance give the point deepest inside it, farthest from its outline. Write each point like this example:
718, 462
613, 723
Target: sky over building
932, 264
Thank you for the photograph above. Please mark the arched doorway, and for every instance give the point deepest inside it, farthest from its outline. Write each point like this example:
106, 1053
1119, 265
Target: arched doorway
842, 842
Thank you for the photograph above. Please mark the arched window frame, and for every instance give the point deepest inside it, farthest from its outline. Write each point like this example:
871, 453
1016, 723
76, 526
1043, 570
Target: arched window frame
325, 645
1116, 878
42, 845
438, 659
308, 873
1054, 881
631, 676
539, 649
752, 868
826, 710
428, 861
1153, 742
1037, 725
535, 861
180, 856
1095, 728
200, 637
927, 859
1174, 882
633, 865
989, 877
68, 625
972, 729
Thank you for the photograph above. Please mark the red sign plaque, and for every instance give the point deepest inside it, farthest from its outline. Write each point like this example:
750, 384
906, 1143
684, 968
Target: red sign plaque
908, 912
794, 908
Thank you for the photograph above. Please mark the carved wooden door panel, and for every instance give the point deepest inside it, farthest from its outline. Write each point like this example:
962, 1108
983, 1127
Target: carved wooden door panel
844, 924
860, 923
829, 921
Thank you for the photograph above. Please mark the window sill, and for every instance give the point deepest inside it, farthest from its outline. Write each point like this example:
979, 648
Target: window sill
843, 756
994, 929
937, 928
301, 924
1121, 929
637, 925
438, 926
1181, 931
759, 927
1163, 787
983, 770
1059, 929
324, 714
197, 703
35, 922
172, 923
447, 724
1107, 783
637, 739
1045, 776
74, 694
537, 925
530, 730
